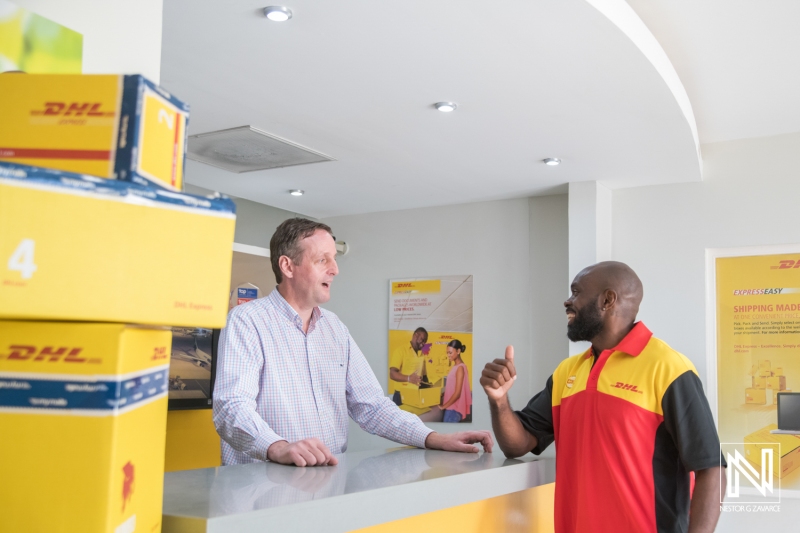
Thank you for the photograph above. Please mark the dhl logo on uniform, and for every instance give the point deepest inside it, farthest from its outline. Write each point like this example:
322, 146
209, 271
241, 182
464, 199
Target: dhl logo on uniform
626, 386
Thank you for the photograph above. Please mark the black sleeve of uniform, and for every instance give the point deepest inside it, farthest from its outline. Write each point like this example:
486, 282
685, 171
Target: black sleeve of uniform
687, 418
537, 417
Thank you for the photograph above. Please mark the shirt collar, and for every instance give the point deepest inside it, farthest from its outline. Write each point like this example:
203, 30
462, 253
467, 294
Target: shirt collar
277, 299
633, 343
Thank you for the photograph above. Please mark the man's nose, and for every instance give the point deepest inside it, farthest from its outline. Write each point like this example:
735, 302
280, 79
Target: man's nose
334, 268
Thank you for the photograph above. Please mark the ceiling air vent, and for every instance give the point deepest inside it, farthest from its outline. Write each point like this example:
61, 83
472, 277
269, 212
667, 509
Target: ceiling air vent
245, 149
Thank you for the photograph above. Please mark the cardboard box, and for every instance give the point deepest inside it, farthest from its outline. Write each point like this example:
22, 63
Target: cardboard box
776, 382
120, 127
755, 396
789, 449
421, 398
759, 382
83, 409
74, 247
778, 371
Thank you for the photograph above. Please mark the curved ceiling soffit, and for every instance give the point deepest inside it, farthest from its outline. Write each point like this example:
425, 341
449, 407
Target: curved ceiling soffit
625, 18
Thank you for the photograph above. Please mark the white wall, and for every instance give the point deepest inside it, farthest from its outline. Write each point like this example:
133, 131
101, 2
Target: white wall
255, 222
749, 196
489, 240
549, 278
119, 37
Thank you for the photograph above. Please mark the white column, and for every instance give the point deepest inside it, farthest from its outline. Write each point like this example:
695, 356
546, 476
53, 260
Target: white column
589, 231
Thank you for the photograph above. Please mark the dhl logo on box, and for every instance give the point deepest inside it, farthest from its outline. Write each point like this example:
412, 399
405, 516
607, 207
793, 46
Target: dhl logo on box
120, 127
74, 247
83, 409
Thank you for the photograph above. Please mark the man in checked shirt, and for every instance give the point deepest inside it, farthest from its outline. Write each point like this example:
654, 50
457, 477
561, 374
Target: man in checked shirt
289, 374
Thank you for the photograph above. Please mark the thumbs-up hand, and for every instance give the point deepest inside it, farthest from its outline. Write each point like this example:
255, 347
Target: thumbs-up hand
499, 375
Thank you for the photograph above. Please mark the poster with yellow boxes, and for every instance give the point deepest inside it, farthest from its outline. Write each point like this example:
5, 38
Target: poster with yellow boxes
430, 347
758, 352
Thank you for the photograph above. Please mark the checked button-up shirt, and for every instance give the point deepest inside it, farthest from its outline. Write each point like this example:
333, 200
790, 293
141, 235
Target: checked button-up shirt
275, 382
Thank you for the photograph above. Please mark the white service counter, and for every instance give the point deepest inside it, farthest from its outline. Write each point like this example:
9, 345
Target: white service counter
364, 489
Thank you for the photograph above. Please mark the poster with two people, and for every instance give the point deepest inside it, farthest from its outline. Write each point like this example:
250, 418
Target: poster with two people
430, 347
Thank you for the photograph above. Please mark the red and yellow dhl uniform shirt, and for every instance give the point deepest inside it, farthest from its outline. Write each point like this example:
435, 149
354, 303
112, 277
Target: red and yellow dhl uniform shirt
629, 425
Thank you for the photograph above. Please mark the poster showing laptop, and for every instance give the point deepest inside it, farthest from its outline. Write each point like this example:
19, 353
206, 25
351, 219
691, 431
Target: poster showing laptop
788, 413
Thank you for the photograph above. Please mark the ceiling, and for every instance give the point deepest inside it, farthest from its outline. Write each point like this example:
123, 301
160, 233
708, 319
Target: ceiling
738, 61
357, 80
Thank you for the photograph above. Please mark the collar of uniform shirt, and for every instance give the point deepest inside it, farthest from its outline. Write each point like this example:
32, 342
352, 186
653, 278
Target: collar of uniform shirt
632, 344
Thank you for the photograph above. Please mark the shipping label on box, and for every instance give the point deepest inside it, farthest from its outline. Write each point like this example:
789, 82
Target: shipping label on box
756, 396
74, 247
83, 409
119, 127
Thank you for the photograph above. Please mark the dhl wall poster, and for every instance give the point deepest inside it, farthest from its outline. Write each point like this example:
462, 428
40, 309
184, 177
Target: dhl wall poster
758, 354
430, 347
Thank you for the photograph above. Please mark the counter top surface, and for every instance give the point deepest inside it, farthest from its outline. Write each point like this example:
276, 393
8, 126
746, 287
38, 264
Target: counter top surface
364, 489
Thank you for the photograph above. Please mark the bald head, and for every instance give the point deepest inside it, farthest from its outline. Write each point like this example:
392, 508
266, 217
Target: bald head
604, 301
618, 278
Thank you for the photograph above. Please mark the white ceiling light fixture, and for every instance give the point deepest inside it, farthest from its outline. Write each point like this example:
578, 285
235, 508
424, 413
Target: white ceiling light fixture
552, 161
278, 13
297, 192
446, 107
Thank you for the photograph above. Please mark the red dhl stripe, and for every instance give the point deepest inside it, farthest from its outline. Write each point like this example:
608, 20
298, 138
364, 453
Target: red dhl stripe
37, 153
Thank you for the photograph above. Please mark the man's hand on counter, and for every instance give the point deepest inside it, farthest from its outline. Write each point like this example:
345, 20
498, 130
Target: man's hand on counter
306, 452
460, 442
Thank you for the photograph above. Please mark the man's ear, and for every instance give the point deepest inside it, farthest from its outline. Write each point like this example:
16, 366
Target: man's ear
609, 299
286, 265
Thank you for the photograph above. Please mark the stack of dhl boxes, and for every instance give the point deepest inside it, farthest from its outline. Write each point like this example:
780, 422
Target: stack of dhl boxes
83, 391
766, 384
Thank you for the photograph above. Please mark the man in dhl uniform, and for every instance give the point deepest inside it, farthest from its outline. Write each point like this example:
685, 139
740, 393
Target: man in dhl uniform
407, 364
628, 416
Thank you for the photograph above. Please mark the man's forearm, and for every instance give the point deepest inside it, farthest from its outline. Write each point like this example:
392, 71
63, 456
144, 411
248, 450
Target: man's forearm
706, 499
511, 436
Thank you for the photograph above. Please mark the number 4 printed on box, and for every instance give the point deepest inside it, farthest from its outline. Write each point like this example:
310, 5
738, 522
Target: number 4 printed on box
22, 259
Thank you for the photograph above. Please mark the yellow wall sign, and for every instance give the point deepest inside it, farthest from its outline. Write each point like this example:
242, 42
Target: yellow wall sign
758, 345
427, 316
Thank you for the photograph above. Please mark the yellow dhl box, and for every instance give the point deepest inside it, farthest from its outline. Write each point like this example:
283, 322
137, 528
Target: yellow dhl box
757, 396
83, 409
421, 398
75, 247
789, 449
759, 382
120, 127
776, 382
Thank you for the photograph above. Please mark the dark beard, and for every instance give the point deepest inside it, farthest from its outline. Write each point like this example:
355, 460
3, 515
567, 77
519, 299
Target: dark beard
586, 325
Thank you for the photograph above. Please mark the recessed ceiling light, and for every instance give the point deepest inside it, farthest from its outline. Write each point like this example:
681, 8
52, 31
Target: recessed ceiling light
445, 107
552, 161
278, 13
297, 192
